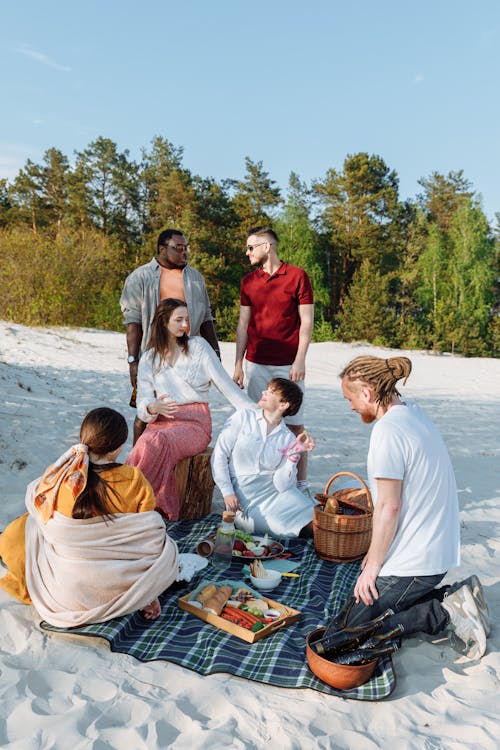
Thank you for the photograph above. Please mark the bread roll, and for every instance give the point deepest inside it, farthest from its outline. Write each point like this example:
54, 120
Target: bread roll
206, 593
331, 505
216, 603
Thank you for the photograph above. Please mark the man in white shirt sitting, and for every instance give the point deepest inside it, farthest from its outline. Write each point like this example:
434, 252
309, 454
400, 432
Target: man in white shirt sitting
416, 531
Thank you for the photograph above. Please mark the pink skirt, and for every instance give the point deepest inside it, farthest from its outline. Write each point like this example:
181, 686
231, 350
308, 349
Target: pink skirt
163, 443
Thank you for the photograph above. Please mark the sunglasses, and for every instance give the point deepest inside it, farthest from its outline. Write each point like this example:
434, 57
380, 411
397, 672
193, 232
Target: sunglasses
252, 247
178, 248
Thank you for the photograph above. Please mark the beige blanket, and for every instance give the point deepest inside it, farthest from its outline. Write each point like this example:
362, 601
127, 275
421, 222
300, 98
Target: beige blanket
83, 571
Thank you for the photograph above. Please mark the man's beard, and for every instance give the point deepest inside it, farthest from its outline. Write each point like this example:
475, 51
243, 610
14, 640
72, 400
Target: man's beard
367, 418
174, 266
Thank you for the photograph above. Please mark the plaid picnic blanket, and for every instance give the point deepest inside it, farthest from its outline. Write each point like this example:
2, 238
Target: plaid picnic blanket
279, 660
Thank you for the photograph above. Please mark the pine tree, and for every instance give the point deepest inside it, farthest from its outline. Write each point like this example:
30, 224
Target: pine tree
358, 208
367, 314
300, 245
256, 196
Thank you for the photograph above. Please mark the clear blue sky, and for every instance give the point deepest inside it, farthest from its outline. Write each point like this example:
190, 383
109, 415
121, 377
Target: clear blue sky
297, 85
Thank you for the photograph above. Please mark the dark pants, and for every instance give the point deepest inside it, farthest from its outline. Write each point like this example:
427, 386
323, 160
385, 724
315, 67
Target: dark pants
415, 601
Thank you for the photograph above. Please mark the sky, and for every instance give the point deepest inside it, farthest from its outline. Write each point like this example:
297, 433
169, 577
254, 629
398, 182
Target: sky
296, 85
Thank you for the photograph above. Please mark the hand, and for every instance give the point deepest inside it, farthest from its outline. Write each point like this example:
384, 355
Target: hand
298, 370
306, 441
132, 371
238, 375
365, 588
231, 503
302, 443
164, 406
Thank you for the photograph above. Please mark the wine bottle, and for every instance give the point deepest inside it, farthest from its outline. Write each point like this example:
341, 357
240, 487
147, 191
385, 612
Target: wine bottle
363, 656
340, 620
381, 638
350, 637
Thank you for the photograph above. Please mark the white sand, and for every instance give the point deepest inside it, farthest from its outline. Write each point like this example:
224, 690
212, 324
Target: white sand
63, 692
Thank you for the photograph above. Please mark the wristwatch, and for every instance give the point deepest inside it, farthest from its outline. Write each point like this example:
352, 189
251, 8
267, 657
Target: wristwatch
132, 358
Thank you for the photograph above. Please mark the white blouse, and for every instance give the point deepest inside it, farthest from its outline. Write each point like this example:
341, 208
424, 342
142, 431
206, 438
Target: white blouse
188, 381
244, 449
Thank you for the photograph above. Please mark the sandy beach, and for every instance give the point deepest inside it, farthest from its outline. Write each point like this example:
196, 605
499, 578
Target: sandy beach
63, 692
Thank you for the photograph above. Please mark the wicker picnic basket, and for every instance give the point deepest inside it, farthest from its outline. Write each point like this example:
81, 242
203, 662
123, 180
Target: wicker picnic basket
339, 537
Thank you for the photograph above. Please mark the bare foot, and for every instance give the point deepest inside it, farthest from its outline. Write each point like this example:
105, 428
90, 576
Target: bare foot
152, 611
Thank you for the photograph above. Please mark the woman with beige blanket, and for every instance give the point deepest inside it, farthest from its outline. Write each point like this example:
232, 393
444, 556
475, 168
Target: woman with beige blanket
91, 546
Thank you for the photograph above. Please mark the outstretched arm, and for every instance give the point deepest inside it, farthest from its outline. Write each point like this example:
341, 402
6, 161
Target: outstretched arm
223, 382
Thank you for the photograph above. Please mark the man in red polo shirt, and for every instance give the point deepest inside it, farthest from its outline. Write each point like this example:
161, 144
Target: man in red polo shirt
275, 325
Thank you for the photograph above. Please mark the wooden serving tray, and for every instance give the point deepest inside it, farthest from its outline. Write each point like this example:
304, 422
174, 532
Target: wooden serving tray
288, 617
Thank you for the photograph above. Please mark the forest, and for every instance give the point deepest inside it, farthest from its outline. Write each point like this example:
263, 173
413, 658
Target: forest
420, 273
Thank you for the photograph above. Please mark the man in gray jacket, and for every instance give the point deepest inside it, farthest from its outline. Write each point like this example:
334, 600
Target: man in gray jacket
166, 276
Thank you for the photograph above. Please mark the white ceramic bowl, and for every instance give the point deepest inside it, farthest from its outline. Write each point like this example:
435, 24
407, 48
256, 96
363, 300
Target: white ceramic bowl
268, 583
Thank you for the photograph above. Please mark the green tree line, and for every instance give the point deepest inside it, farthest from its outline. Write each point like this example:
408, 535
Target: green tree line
420, 273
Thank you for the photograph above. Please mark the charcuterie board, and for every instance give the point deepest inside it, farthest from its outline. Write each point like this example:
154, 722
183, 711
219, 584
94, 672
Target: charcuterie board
286, 617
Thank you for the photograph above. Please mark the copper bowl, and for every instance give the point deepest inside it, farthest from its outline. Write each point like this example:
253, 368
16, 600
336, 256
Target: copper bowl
339, 676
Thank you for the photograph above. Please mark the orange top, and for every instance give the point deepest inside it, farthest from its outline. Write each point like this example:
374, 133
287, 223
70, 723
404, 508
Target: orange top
171, 284
134, 494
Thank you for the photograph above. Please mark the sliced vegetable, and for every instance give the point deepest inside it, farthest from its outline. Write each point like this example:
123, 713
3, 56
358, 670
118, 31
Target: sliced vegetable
253, 611
243, 613
244, 536
258, 626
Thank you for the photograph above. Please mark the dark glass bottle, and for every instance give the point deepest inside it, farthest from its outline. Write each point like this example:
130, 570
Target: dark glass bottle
350, 637
381, 638
363, 656
340, 620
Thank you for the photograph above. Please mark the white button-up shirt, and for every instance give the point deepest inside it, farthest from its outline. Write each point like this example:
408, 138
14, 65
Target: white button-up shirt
244, 448
188, 381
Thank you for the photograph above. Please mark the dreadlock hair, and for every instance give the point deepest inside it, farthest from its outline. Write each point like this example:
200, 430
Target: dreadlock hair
158, 341
378, 373
103, 430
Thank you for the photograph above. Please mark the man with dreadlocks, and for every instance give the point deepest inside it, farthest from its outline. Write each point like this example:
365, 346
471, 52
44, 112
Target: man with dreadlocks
416, 532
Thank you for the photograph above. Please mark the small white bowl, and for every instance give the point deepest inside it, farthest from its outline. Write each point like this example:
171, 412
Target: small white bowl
268, 583
258, 551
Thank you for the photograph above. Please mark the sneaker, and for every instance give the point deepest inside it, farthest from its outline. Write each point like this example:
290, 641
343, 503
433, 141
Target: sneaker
477, 590
466, 631
303, 487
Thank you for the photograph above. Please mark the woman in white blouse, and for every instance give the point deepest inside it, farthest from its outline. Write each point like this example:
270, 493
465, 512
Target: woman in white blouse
254, 464
174, 375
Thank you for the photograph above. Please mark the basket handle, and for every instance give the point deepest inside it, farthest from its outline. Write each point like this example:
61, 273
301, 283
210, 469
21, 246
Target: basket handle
354, 476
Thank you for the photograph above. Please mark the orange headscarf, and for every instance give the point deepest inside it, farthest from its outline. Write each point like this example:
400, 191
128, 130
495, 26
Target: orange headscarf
70, 469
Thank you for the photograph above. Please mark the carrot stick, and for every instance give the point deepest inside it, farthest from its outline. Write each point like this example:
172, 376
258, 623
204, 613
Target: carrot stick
234, 614
243, 614
236, 621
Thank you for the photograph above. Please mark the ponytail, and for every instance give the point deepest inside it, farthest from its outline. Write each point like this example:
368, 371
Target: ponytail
103, 430
380, 374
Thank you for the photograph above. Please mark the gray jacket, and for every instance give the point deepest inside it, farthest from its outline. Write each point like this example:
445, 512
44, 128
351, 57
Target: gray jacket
141, 294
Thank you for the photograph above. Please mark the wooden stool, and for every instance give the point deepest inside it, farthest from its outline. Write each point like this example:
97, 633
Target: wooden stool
195, 485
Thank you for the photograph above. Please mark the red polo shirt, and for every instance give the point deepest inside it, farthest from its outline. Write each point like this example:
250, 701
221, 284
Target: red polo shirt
273, 330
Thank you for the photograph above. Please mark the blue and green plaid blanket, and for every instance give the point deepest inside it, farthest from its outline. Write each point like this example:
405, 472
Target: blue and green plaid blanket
280, 659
